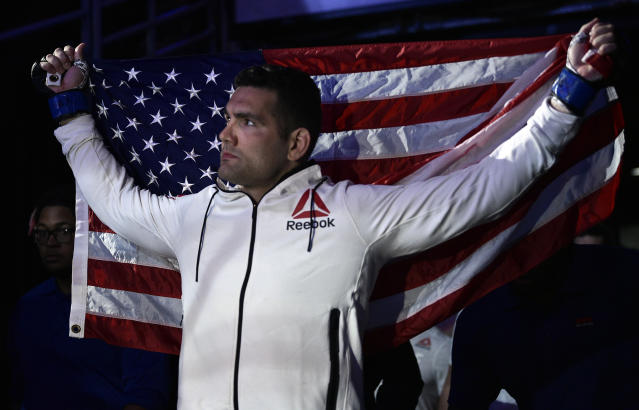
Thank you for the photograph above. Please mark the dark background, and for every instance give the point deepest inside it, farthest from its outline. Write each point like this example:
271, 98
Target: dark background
33, 159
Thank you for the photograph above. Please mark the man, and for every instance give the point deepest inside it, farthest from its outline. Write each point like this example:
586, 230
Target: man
275, 308
51, 370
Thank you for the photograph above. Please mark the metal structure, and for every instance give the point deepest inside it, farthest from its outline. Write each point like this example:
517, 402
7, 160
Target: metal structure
90, 16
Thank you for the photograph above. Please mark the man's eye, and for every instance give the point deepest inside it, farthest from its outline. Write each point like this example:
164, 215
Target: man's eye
249, 122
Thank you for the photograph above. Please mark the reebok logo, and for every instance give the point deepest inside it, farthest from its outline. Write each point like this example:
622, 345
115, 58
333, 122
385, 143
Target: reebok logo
303, 211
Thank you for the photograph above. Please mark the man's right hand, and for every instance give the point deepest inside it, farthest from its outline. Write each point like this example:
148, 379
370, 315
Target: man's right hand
61, 62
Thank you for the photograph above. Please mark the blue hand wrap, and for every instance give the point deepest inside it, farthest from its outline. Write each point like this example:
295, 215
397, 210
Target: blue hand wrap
68, 103
574, 91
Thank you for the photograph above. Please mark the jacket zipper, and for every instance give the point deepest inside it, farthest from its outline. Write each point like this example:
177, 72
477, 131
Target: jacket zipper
236, 405
333, 351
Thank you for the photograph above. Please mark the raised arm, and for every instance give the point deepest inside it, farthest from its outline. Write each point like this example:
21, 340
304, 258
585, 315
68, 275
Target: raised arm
136, 214
420, 215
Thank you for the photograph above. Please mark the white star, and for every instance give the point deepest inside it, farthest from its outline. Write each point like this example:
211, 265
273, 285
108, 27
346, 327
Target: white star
152, 178
140, 99
91, 86
166, 166
117, 133
133, 74
155, 88
197, 125
149, 144
215, 144
157, 118
102, 110
193, 92
170, 195
211, 77
104, 85
96, 69
133, 123
178, 107
186, 186
231, 91
207, 174
174, 137
171, 76
122, 82
135, 156
215, 110
191, 155
119, 104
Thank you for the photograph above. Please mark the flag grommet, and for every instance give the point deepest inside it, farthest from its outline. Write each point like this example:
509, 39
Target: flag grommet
76, 328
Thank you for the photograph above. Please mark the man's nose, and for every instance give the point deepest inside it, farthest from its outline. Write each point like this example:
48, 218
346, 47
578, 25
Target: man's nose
227, 135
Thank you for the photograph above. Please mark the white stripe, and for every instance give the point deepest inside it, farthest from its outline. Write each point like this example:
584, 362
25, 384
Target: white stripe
375, 85
140, 307
576, 183
394, 141
436, 136
111, 247
79, 268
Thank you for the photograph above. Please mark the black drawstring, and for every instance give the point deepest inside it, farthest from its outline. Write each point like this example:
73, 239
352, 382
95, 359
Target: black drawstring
199, 251
311, 231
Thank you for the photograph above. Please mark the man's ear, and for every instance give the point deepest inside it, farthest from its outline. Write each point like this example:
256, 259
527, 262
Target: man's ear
299, 143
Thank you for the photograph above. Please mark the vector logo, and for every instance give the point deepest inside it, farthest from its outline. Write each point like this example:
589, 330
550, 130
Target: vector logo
303, 208
303, 211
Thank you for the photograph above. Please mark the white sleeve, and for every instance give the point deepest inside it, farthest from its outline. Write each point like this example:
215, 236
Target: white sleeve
402, 220
134, 213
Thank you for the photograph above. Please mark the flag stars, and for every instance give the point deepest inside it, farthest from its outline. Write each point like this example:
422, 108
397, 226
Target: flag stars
135, 157
117, 132
152, 178
186, 185
166, 166
157, 118
133, 74
197, 125
171, 76
140, 99
191, 155
149, 144
133, 122
104, 84
211, 76
124, 84
102, 110
215, 110
207, 174
177, 107
215, 144
230, 91
174, 137
118, 103
155, 88
193, 92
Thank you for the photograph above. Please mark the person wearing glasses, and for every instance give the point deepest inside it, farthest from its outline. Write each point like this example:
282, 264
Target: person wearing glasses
49, 369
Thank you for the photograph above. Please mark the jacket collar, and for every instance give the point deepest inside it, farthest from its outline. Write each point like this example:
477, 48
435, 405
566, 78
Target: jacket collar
298, 179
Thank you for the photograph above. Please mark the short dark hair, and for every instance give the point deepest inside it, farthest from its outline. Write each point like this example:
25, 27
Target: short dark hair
299, 104
56, 195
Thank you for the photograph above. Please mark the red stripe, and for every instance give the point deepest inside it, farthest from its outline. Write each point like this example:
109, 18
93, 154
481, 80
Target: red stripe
134, 278
96, 225
374, 171
596, 132
133, 334
371, 57
519, 259
396, 112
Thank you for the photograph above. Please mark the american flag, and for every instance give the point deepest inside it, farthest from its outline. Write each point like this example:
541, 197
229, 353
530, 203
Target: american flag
392, 113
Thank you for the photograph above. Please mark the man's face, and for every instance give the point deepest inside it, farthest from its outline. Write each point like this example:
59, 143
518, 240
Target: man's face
254, 154
56, 255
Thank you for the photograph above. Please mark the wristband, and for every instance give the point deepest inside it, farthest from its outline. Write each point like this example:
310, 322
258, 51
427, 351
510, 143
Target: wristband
67, 104
574, 91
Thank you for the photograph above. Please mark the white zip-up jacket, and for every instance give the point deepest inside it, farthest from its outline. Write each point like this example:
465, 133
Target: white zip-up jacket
268, 323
